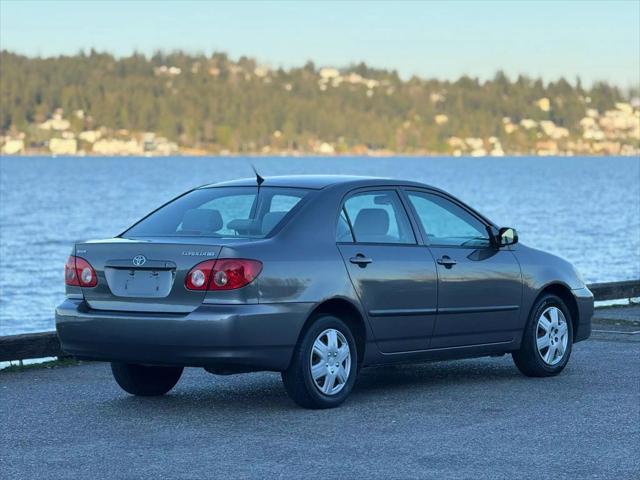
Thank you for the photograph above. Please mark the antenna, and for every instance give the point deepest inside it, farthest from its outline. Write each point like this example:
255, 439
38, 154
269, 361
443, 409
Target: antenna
259, 179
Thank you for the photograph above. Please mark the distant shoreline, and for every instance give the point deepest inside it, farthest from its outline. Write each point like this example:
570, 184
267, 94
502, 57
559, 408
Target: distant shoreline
177, 103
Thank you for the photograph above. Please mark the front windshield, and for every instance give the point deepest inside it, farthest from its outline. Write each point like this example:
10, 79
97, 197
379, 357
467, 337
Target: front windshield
220, 212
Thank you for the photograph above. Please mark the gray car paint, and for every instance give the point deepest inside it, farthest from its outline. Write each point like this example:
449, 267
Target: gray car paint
409, 308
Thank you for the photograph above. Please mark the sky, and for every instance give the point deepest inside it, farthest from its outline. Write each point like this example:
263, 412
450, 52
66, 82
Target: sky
595, 40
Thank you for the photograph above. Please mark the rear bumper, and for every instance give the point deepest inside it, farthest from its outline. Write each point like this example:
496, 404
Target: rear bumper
584, 301
252, 336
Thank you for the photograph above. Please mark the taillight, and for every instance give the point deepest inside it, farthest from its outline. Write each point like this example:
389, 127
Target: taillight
199, 276
231, 273
79, 273
222, 274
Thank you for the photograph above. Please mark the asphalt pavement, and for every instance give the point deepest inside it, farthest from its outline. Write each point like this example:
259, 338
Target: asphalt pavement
475, 419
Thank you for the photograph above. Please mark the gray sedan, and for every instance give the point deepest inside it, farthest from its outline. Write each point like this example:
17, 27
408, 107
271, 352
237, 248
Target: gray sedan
315, 277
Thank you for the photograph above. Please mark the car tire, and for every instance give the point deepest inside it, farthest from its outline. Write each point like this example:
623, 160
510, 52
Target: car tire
547, 339
145, 381
311, 381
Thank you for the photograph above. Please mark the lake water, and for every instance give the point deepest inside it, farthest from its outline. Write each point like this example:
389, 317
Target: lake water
584, 209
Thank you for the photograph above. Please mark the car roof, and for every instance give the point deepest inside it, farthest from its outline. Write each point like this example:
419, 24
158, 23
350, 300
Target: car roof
315, 181
318, 182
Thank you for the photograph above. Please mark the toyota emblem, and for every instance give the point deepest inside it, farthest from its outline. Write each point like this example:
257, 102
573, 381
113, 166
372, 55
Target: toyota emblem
139, 260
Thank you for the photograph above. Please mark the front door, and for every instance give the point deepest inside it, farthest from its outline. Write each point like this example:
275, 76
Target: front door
479, 285
393, 276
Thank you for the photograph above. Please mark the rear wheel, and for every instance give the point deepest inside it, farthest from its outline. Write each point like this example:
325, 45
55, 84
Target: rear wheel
547, 340
145, 381
324, 365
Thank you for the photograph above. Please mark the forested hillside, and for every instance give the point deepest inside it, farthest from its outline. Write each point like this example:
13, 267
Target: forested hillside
216, 104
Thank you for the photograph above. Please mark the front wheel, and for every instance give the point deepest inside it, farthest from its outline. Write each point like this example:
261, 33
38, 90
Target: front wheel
324, 365
145, 381
547, 340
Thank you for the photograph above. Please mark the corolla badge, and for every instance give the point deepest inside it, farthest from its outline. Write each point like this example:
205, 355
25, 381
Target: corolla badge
139, 260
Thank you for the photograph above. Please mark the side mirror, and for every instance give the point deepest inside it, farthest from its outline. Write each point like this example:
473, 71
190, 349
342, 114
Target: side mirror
507, 236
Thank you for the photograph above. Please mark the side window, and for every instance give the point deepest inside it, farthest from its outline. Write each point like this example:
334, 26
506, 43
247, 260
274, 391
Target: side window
446, 223
343, 232
378, 217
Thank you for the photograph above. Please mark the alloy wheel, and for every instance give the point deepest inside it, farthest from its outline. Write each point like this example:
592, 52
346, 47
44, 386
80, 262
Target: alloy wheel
552, 335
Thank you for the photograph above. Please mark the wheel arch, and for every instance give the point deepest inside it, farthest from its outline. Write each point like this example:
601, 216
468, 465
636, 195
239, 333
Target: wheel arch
346, 311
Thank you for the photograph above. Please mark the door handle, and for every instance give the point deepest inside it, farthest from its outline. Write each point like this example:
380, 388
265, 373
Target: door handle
361, 260
447, 261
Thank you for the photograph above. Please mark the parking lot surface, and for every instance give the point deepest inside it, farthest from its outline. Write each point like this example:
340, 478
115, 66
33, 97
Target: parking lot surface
475, 418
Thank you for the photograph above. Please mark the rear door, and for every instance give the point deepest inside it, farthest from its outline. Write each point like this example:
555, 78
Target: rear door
394, 279
479, 285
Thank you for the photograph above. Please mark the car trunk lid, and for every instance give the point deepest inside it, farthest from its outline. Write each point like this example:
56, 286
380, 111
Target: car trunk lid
145, 275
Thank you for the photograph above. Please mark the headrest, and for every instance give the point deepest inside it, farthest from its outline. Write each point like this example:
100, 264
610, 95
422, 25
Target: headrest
270, 220
371, 222
202, 220
244, 226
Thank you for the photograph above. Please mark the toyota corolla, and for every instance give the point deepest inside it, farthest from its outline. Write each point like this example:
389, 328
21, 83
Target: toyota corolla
315, 277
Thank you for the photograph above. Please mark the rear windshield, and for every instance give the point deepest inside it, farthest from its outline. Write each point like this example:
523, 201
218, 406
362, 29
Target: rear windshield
222, 212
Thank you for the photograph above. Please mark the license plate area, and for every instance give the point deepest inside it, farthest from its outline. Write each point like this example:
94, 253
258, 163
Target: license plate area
139, 283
